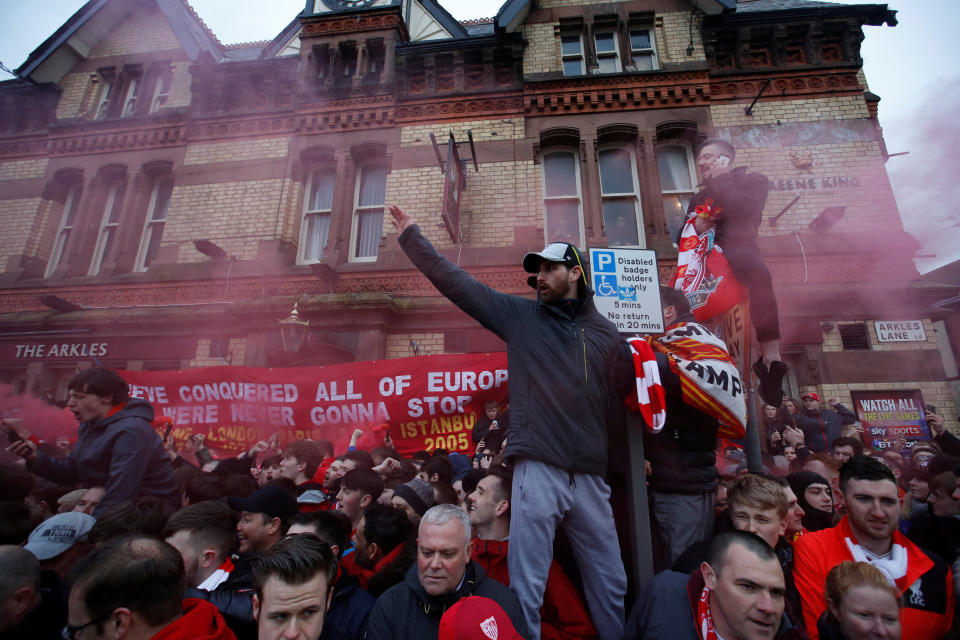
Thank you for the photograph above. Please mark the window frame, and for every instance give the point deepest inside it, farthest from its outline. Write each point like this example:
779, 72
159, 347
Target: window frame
71, 203
149, 222
636, 194
664, 193
314, 171
131, 95
114, 201
652, 50
615, 54
575, 152
355, 213
106, 97
581, 56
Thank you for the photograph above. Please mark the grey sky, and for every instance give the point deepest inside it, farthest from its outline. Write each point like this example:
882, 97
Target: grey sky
905, 65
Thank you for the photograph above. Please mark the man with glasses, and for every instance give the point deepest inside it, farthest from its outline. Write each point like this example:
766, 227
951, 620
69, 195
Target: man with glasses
132, 588
569, 371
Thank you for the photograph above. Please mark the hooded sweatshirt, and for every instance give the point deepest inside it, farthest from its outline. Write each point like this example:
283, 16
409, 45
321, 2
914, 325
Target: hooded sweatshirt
200, 621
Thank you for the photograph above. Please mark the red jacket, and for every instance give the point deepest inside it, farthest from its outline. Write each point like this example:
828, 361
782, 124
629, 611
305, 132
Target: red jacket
200, 621
927, 611
563, 615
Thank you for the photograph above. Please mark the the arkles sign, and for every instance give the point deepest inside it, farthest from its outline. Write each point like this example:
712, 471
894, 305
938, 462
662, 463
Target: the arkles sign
627, 289
453, 184
900, 331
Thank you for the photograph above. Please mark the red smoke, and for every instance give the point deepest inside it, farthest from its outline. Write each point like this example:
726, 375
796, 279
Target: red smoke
36, 418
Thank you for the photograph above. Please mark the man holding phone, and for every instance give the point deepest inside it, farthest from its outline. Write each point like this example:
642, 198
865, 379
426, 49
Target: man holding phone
737, 198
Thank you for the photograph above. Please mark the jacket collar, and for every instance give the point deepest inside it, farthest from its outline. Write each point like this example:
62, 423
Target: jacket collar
436, 605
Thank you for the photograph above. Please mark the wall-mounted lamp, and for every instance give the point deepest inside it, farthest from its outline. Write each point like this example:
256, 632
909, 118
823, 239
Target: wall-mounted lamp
827, 326
827, 218
294, 330
210, 249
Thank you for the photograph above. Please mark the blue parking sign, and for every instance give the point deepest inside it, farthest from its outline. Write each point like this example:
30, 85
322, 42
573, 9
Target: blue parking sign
604, 262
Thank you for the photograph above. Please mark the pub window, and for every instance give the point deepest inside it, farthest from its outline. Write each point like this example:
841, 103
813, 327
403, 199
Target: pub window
854, 337
643, 52
109, 222
317, 211
571, 54
370, 198
677, 182
153, 225
562, 197
65, 229
620, 195
608, 51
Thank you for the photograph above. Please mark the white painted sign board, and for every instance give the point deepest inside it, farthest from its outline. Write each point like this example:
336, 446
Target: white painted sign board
627, 289
900, 331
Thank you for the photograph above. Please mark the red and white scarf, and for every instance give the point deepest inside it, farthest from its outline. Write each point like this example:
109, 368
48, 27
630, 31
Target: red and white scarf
693, 250
218, 577
707, 630
650, 398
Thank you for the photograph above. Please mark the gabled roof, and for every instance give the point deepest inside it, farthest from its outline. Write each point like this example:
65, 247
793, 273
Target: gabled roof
514, 12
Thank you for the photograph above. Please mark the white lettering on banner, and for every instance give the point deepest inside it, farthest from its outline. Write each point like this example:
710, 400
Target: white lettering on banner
900, 331
448, 405
440, 381
66, 350
332, 396
366, 413
393, 386
196, 414
216, 391
155, 395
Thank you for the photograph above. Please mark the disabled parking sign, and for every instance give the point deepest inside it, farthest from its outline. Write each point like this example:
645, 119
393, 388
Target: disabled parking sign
627, 289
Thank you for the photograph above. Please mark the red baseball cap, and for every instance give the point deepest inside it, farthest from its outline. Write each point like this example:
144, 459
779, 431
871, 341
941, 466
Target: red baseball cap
477, 618
810, 394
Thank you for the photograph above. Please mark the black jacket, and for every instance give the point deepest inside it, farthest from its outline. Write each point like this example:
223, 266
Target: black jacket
350, 607
741, 196
561, 367
406, 612
233, 598
822, 427
121, 453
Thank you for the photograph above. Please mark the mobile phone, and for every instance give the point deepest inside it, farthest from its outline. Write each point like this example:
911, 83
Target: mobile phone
166, 433
930, 408
723, 160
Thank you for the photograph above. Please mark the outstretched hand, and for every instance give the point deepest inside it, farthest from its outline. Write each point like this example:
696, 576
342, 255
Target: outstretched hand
401, 219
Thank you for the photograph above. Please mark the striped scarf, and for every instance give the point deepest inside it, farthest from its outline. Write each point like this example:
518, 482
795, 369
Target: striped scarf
649, 398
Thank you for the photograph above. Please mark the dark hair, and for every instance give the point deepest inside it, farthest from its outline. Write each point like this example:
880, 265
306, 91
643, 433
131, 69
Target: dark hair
470, 480
210, 523
421, 455
848, 442
864, 468
238, 486
726, 147
387, 526
444, 493
183, 474
146, 516
270, 461
101, 382
203, 486
16, 483
332, 527
386, 452
143, 574
505, 476
294, 560
49, 492
364, 480
441, 466
326, 448
675, 298
721, 544
16, 523
306, 451
363, 459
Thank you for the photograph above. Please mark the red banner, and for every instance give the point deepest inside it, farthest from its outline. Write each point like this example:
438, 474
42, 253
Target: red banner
430, 402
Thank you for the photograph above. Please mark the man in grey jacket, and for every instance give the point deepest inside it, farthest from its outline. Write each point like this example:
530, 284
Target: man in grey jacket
117, 447
563, 357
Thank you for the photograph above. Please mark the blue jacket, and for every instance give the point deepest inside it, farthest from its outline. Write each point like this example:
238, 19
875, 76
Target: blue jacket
562, 368
121, 453
350, 606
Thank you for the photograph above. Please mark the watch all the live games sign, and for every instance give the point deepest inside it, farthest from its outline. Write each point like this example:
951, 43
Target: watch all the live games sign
889, 415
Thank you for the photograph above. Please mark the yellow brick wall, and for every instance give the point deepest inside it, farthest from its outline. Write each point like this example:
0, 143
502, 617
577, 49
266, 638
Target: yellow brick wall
935, 393
48, 216
237, 150
871, 203
500, 197
542, 54
76, 94
235, 215
23, 169
832, 342
482, 130
771, 111
179, 94
673, 34
145, 29
234, 354
16, 220
398, 344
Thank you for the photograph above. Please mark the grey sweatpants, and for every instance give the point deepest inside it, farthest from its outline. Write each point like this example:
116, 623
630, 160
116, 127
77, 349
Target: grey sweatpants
545, 497
682, 521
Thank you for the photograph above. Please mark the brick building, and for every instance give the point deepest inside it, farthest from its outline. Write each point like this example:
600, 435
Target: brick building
167, 198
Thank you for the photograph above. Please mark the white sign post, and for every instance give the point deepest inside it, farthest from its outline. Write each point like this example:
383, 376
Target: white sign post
627, 289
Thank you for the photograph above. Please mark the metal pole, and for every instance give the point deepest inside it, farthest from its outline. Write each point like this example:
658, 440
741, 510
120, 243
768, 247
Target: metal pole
641, 541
